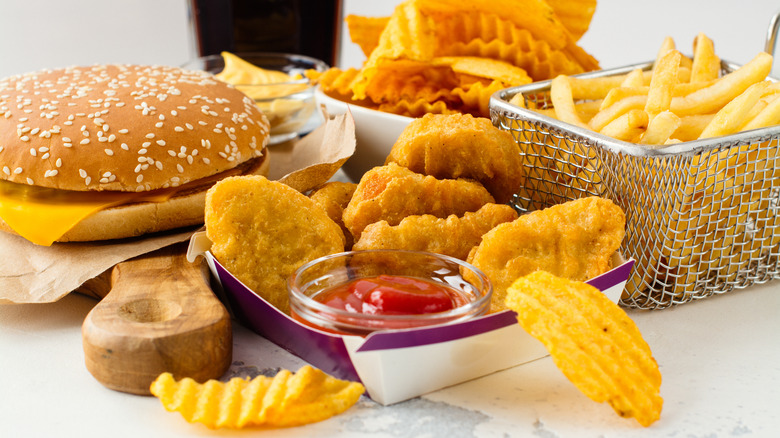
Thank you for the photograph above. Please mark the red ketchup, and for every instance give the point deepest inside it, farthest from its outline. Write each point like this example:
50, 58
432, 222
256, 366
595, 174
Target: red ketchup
392, 295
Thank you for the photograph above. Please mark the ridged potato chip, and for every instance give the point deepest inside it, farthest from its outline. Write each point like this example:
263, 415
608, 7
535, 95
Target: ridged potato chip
576, 15
365, 31
593, 342
262, 231
308, 396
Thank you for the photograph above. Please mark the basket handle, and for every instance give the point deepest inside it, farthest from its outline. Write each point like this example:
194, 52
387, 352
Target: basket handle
771, 34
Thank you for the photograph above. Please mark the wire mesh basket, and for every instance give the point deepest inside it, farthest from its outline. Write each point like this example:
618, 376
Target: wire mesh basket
702, 217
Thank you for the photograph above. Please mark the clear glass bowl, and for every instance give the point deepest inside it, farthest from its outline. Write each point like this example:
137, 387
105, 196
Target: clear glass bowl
290, 105
334, 270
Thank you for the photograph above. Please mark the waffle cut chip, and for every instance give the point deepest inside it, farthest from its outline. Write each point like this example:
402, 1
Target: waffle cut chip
576, 15
288, 399
365, 31
592, 341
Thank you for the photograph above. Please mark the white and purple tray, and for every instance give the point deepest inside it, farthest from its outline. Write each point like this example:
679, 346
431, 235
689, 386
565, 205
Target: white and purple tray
395, 365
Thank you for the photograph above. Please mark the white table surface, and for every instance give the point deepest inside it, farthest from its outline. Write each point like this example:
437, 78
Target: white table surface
720, 357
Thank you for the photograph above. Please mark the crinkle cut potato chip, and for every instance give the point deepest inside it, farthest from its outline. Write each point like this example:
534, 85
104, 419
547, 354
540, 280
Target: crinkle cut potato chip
503, 43
262, 231
285, 400
593, 342
574, 240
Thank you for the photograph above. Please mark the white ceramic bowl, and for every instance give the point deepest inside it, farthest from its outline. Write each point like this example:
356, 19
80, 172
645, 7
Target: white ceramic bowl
375, 133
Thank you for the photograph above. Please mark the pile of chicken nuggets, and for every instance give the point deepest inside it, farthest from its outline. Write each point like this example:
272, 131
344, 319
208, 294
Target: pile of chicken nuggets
445, 188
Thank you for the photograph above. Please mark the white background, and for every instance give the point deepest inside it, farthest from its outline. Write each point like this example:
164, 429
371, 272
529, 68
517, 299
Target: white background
37, 34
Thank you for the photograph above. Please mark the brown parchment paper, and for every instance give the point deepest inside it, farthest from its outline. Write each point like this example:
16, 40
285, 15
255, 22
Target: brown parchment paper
37, 274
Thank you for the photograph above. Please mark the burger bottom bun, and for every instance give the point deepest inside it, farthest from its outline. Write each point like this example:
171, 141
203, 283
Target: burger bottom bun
131, 220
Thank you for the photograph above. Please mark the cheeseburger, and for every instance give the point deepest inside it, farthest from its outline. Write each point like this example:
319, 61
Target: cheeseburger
113, 151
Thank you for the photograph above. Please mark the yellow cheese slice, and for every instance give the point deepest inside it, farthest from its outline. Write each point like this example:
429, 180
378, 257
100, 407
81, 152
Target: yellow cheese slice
42, 215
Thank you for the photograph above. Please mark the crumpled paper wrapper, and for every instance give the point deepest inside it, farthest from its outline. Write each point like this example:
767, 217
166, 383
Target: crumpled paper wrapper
37, 274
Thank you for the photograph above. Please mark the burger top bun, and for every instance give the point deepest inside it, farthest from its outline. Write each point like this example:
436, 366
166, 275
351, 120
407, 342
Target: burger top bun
123, 128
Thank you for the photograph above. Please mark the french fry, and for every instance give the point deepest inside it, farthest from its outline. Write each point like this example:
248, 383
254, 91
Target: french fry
634, 79
627, 127
605, 116
561, 95
712, 98
597, 88
706, 65
660, 129
691, 127
768, 116
666, 46
665, 71
619, 93
730, 118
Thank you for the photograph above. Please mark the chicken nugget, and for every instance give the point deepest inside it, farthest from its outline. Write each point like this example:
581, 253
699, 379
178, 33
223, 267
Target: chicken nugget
453, 236
262, 231
461, 146
573, 240
333, 197
392, 192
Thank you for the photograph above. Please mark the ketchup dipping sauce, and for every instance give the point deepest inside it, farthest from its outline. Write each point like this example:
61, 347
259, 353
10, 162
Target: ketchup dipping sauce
359, 292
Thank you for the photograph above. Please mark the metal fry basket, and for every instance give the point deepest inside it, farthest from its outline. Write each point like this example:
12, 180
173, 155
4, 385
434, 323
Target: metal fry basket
702, 217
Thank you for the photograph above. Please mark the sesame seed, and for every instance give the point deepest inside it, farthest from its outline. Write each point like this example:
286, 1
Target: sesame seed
150, 135
45, 156
82, 173
68, 145
142, 151
206, 160
146, 144
6, 170
43, 149
139, 178
66, 139
180, 168
33, 152
58, 163
50, 173
18, 170
158, 125
24, 138
109, 152
87, 180
30, 181
124, 146
111, 138
85, 141
123, 131
161, 142
158, 165
189, 126
137, 168
178, 129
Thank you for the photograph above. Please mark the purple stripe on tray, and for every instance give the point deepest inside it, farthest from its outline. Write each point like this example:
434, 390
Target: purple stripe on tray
324, 351
613, 277
435, 335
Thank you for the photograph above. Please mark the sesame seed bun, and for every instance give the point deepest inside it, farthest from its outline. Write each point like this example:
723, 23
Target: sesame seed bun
128, 128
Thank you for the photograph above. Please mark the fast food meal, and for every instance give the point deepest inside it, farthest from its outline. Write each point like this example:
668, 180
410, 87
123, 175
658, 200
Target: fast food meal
574, 240
447, 56
593, 342
392, 192
113, 151
680, 99
285, 400
461, 146
262, 231
453, 236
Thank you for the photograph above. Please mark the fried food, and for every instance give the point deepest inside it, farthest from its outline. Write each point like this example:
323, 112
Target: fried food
262, 231
334, 197
461, 146
479, 47
593, 342
392, 192
574, 240
453, 236
287, 399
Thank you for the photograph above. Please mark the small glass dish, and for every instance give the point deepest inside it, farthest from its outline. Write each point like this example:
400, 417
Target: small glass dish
326, 273
288, 105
